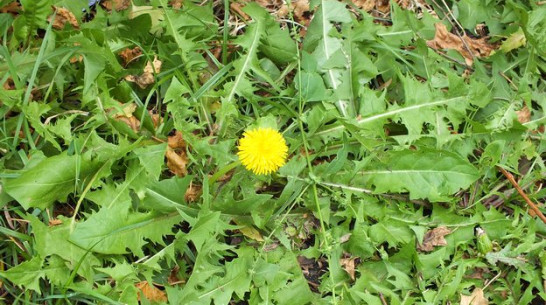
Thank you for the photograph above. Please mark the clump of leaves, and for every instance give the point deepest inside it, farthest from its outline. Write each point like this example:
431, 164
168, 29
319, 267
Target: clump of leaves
120, 180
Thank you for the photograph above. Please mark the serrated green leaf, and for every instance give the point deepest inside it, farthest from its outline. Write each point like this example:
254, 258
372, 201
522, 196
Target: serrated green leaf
26, 274
425, 174
114, 230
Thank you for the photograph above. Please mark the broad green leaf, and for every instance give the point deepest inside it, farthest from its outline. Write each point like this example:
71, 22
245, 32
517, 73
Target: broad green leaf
54, 241
51, 180
425, 174
152, 158
27, 274
167, 195
114, 230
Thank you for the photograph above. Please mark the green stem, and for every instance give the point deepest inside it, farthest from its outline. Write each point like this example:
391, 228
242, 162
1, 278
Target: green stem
223, 171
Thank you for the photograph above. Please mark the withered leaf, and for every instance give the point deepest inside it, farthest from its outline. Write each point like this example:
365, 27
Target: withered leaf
524, 115
476, 298
177, 162
147, 76
151, 292
348, 265
62, 17
176, 141
192, 193
118, 5
129, 55
466, 46
434, 237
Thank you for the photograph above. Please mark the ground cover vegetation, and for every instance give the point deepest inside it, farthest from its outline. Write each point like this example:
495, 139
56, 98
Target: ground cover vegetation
271, 152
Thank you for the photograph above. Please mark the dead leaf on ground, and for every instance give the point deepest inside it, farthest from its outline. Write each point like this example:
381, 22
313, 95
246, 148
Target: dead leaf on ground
176, 141
177, 162
9, 84
126, 116
192, 193
238, 8
524, 115
11, 8
434, 237
118, 5
55, 222
151, 292
177, 4
300, 10
476, 298
62, 17
470, 48
129, 55
348, 265
147, 76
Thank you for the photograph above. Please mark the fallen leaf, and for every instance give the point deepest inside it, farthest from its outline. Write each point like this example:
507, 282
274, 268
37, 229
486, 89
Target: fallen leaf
118, 5
173, 277
366, 5
55, 222
127, 117
151, 292
300, 10
129, 55
9, 84
524, 115
466, 46
176, 162
238, 8
11, 8
62, 17
192, 193
476, 298
177, 4
176, 141
348, 265
432, 238
147, 76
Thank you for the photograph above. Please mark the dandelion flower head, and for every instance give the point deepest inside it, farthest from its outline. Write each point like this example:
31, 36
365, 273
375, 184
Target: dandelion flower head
262, 150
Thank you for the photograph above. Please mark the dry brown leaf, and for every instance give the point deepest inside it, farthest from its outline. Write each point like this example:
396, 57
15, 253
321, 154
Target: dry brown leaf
118, 5
524, 115
11, 8
238, 8
151, 292
176, 141
176, 3
348, 265
176, 162
55, 222
147, 76
476, 298
127, 116
366, 5
299, 10
9, 84
129, 55
62, 17
192, 193
434, 237
470, 48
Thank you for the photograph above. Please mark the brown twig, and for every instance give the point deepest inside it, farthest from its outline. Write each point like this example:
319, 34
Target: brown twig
531, 204
382, 298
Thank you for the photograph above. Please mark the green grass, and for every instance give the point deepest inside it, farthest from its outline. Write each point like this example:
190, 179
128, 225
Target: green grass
117, 192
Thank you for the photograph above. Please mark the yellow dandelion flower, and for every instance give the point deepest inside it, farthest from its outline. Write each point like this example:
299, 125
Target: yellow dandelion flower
262, 150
